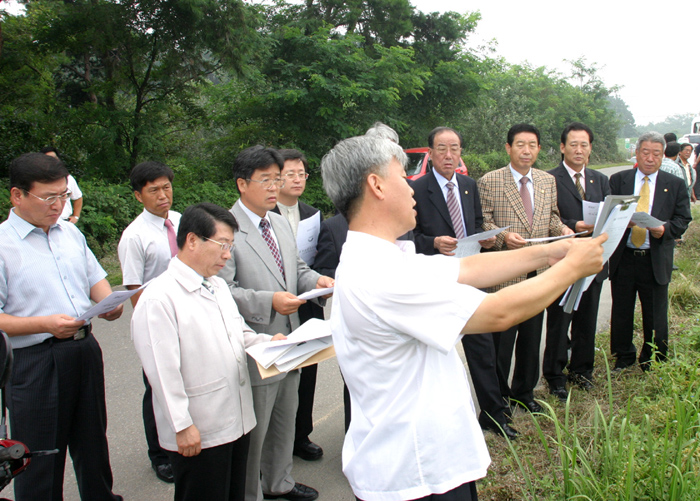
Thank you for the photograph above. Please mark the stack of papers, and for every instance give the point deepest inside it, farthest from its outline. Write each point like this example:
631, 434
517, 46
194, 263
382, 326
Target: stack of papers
309, 344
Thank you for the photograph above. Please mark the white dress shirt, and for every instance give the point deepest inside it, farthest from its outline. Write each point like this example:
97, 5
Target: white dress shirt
144, 249
192, 347
395, 321
442, 181
517, 176
75, 194
291, 214
572, 174
638, 182
255, 219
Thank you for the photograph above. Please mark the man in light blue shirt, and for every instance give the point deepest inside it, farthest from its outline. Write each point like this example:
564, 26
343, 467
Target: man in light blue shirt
48, 276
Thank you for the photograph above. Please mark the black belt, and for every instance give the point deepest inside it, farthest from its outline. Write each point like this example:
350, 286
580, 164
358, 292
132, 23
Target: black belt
638, 252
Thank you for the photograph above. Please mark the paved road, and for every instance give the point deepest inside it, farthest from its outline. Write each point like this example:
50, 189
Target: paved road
133, 477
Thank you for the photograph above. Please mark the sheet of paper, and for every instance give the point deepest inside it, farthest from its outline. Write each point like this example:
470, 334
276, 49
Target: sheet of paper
590, 211
109, 303
552, 239
307, 237
314, 293
317, 358
469, 246
644, 220
307, 347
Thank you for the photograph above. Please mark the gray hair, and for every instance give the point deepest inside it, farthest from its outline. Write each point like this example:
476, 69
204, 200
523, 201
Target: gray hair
384, 131
346, 167
651, 137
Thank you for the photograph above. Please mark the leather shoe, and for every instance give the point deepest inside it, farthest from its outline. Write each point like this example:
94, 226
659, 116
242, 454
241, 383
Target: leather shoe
504, 429
559, 392
529, 405
164, 472
308, 450
299, 492
581, 381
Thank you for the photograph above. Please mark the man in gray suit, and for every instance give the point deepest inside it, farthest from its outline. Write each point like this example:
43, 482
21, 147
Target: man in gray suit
265, 275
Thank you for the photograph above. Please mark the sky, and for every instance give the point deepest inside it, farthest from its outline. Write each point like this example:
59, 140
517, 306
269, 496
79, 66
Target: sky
650, 52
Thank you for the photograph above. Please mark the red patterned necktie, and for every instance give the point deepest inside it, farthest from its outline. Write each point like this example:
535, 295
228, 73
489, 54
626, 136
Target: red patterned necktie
267, 236
527, 201
172, 238
455, 215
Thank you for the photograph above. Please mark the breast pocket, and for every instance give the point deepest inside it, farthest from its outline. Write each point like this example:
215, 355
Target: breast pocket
209, 406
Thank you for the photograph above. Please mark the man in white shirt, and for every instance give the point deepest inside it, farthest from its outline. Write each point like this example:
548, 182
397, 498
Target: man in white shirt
396, 319
145, 249
71, 212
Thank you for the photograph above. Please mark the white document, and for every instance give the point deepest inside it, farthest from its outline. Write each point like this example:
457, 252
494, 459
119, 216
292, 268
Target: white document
644, 220
590, 211
469, 246
301, 353
314, 293
109, 303
552, 239
307, 237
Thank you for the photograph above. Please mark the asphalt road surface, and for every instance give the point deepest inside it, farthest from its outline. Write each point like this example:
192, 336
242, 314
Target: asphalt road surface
133, 477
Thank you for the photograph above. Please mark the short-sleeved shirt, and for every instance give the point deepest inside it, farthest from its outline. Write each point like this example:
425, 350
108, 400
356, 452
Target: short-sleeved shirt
75, 194
395, 321
144, 249
44, 274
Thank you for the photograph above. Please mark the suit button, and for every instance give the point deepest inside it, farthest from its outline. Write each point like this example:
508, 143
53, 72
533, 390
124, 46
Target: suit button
242, 382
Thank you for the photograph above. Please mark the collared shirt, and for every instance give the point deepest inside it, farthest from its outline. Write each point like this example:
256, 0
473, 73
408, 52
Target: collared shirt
668, 165
573, 173
291, 213
396, 318
638, 181
442, 181
255, 219
44, 274
75, 194
192, 347
144, 249
517, 176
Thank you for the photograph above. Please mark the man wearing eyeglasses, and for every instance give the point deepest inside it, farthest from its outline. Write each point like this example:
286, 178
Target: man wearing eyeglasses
145, 250
295, 173
48, 277
265, 275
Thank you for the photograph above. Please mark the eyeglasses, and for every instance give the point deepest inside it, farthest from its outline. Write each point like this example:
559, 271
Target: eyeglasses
224, 247
52, 200
454, 149
293, 175
269, 182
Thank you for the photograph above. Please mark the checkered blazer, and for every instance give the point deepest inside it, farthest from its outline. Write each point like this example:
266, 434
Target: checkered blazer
502, 206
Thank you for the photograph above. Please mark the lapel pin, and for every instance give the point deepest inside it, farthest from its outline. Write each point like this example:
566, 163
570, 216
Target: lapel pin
665, 189
466, 192
591, 181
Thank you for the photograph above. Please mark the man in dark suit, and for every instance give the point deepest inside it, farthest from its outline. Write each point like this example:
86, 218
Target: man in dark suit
448, 208
575, 183
295, 172
643, 261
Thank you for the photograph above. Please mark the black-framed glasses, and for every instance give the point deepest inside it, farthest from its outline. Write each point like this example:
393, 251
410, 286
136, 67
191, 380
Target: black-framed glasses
52, 199
224, 247
269, 182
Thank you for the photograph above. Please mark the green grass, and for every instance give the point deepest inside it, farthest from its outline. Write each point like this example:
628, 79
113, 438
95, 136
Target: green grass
634, 437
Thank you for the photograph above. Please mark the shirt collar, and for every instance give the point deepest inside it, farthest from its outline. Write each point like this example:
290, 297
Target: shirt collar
153, 219
186, 276
366, 240
254, 218
23, 227
572, 172
442, 180
652, 177
517, 175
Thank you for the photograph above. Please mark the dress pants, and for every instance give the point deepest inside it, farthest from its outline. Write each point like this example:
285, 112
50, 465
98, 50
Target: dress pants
215, 474
272, 439
583, 323
155, 453
634, 276
56, 400
525, 338
481, 358
307, 391
465, 492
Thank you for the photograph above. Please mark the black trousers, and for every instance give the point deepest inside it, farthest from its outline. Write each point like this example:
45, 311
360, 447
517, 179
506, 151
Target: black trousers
56, 400
481, 358
465, 492
156, 454
634, 276
215, 474
307, 391
583, 323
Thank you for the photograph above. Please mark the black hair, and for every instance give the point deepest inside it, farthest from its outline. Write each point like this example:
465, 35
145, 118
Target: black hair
438, 130
670, 137
147, 172
522, 127
578, 126
291, 154
672, 149
49, 149
31, 168
201, 220
252, 159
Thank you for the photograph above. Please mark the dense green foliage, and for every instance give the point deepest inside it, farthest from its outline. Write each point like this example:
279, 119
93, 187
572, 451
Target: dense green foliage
193, 82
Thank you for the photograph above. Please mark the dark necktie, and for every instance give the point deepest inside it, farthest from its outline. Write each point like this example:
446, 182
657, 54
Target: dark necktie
453, 207
207, 285
267, 236
527, 201
172, 238
579, 187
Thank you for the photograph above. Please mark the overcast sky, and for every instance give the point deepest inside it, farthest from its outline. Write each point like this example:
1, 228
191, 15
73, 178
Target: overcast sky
652, 53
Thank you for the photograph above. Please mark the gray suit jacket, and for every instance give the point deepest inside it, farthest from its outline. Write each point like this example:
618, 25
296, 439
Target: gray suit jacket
253, 278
